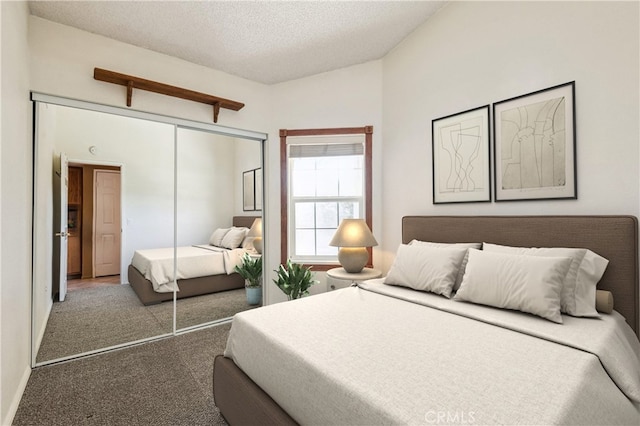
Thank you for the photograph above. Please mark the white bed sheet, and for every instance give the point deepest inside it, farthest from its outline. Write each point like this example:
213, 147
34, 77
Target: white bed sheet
157, 265
355, 356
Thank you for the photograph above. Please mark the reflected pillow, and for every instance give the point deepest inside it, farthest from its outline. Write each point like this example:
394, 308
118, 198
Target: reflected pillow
426, 268
525, 283
463, 265
579, 287
217, 236
234, 237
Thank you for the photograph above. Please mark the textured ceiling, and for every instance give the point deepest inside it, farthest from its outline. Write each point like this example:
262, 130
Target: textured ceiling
264, 41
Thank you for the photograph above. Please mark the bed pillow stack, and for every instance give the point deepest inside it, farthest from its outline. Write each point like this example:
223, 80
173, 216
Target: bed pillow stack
542, 281
230, 238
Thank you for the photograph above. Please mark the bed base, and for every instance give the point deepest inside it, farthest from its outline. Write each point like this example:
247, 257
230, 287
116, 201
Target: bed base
241, 401
188, 287
244, 402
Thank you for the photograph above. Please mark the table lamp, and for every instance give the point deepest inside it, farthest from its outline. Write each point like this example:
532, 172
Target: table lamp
256, 232
353, 236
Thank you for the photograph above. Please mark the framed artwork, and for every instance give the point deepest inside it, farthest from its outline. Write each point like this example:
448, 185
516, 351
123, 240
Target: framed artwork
248, 190
535, 145
252, 190
461, 158
258, 189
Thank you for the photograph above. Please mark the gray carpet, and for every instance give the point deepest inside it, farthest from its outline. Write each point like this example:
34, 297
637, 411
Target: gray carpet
105, 316
167, 382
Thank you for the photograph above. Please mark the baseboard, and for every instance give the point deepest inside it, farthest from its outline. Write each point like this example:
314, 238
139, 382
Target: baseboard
15, 402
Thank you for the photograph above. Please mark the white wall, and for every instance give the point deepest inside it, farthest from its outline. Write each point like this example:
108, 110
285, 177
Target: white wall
206, 175
15, 213
475, 53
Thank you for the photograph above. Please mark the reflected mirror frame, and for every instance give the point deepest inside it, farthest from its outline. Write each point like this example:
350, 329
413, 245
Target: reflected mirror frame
39, 98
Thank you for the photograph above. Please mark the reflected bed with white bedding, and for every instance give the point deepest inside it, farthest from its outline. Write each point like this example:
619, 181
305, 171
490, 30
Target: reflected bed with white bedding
199, 269
390, 354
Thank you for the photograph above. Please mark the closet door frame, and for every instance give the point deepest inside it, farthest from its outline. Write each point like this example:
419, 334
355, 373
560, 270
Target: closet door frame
177, 123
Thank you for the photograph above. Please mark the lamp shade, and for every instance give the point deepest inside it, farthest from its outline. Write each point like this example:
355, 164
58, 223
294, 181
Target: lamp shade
256, 232
256, 228
353, 233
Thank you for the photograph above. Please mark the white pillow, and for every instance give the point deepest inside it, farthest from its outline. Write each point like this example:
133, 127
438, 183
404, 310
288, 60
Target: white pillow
217, 236
463, 265
426, 268
578, 297
234, 237
526, 283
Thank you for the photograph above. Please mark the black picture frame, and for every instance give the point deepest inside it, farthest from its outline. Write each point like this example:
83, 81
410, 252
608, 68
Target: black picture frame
252, 190
461, 158
535, 145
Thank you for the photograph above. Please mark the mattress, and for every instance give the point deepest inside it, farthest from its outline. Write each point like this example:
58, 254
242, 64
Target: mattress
393, 355
157, 265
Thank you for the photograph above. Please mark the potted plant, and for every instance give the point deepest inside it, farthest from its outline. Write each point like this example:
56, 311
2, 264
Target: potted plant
251, 270
294, 279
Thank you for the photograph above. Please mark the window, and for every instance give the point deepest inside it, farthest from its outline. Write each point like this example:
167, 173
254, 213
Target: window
326, 177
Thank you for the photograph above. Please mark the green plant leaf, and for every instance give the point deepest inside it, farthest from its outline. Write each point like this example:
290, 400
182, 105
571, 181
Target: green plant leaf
250, 269
294, 279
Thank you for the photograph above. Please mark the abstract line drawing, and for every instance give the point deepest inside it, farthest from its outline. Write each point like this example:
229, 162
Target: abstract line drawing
533, 149
535, 145
461, 157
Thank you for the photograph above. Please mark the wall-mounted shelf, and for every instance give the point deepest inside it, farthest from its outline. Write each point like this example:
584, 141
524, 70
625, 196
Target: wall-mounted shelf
131, 82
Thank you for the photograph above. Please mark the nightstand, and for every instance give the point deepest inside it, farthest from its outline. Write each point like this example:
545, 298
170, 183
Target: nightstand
339, 278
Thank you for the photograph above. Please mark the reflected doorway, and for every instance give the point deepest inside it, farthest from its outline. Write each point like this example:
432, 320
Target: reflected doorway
94, 221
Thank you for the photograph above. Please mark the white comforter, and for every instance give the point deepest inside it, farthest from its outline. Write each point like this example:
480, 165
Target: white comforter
356, 356
157, 265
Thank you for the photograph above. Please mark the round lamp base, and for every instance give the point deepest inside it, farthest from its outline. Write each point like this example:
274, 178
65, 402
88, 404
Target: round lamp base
353, 259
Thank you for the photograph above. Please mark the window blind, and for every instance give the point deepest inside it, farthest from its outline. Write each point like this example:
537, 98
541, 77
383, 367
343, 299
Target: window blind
325, 150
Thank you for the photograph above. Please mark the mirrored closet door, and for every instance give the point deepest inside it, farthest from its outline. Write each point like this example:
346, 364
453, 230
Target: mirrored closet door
209, 182
115, 199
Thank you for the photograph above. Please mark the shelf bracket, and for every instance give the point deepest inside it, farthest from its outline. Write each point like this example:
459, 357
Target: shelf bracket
216, 111
129, 92
131, 82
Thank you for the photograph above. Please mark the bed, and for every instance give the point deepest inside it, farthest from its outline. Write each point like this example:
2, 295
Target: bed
388, 354
200, 256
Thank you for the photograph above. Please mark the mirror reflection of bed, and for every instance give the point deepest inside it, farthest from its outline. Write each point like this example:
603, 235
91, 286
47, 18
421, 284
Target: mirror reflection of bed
177, 187
207, 288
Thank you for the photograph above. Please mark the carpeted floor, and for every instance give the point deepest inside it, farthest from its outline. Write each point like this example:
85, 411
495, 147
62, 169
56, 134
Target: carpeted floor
101, 317
166, 382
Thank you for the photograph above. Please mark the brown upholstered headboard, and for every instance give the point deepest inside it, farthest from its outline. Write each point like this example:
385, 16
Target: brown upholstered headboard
613, 237
245, 221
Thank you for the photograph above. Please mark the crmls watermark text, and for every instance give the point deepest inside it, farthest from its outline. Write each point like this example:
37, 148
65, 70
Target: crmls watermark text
449, 417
